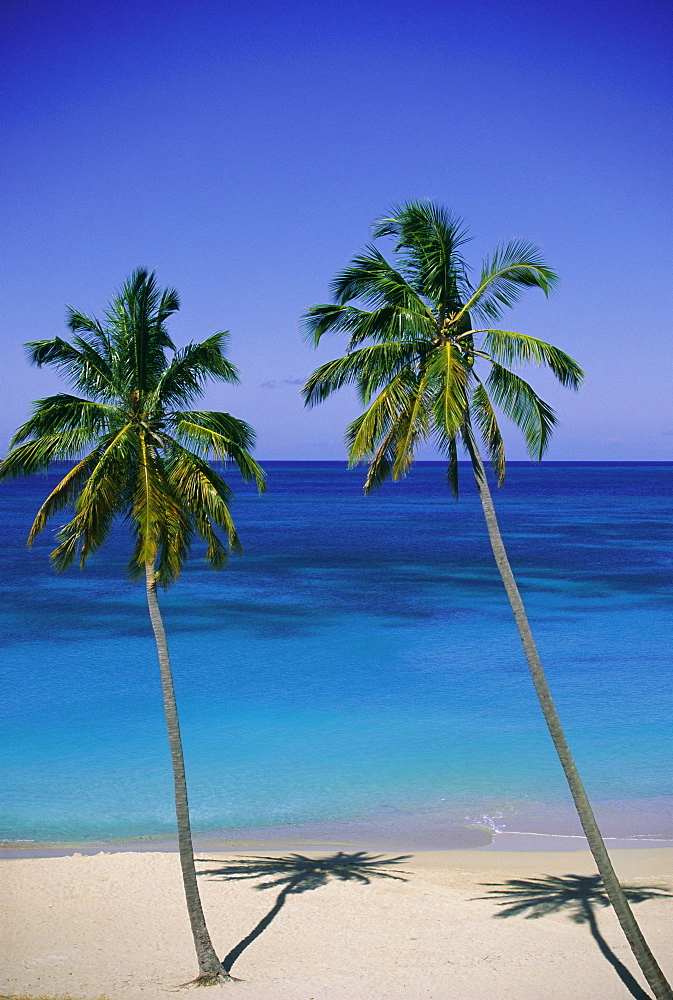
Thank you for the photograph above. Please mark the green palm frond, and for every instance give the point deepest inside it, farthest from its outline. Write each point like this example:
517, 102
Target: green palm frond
369, 368
428, 238
379, 421
371, 279
505, 275
208, 432
38, 454
380, 464
90, 331
389, 432
62, 412
100, 501
64, 494
160, 524
487, 422
185, 377
384, 324
412, 428
206, 498
84, 368
516, 398
508, 348
330, 318
448, 379
414, 221
137, 316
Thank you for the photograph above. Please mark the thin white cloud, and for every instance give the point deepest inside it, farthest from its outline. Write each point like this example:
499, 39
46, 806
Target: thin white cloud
277, 383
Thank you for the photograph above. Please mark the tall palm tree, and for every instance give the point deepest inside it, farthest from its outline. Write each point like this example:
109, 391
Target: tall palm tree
429, 361
142, 456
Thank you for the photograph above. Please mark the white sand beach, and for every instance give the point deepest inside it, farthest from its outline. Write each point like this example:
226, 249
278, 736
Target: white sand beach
115, 926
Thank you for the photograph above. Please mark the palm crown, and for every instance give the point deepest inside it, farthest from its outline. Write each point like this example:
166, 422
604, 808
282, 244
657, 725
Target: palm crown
435, 365
140, 454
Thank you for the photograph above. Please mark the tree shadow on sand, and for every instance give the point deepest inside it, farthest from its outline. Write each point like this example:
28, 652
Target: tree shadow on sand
296, 874
581, 896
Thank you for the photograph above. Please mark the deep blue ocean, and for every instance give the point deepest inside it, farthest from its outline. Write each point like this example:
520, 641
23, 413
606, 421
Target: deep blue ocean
359, 660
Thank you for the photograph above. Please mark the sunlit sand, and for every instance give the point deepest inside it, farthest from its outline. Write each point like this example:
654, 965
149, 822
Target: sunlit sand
450, 924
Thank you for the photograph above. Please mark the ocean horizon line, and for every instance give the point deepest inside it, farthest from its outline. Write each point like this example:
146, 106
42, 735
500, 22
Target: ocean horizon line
439, 463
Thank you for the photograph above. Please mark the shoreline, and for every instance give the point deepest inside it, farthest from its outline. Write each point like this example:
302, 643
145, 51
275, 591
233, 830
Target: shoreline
498, 824
515, 826
478, 842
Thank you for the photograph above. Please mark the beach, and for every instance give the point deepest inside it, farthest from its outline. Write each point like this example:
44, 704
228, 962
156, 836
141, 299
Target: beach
115, 925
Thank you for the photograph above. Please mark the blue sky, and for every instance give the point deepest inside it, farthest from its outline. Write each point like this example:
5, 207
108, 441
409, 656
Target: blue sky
244, 149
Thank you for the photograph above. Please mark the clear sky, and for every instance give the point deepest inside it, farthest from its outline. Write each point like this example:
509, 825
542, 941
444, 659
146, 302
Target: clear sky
243, 149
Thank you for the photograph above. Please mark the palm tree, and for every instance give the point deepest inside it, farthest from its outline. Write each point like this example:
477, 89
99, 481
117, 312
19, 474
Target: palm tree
140, 455
428, 362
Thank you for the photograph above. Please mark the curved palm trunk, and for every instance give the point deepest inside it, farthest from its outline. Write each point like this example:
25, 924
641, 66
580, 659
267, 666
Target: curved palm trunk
646, 960
210, 967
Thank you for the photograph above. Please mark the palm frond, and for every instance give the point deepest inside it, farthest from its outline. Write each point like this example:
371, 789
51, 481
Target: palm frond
63, 495
375, 282
85, 368
62, 412
160, 524
169, 303
369, 368
38, 454
136, 317
516, 398
383, 324
508, 348
380, 464
505, 275
413, 428
365, 434
206, 497
395, 427
413, 222
185, 377
487, 422
448, 383
428, 238
208, 432
90, 331
99, 502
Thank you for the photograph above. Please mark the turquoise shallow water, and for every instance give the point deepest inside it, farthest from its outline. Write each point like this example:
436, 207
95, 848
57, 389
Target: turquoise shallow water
359, 660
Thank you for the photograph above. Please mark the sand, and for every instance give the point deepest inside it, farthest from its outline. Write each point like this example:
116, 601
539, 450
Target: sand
115, 925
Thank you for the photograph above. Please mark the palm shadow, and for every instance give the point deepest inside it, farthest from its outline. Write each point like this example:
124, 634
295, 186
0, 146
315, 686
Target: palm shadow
581, 896
296, 874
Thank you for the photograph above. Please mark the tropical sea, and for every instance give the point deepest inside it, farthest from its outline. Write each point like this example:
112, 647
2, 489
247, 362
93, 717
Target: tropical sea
357, 665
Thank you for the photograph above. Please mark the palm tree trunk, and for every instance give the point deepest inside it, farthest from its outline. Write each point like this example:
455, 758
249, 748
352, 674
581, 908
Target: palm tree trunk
646, 960
210, 967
